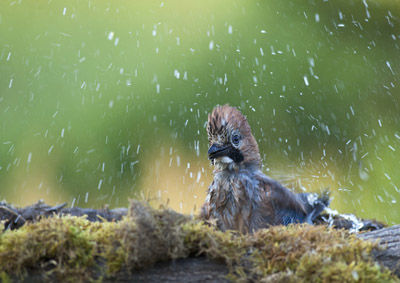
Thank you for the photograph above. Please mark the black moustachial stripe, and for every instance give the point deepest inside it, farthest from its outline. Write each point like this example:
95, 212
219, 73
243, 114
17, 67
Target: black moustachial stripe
235, 155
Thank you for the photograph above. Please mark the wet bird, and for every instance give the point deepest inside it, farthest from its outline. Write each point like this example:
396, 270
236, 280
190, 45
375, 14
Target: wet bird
241, 197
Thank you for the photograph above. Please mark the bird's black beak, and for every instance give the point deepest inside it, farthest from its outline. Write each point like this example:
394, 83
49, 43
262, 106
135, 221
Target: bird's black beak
216, 151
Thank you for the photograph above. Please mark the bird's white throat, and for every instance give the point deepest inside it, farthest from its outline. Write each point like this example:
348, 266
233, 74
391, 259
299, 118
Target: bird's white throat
223, 159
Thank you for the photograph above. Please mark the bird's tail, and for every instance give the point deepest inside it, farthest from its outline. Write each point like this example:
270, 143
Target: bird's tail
315, 203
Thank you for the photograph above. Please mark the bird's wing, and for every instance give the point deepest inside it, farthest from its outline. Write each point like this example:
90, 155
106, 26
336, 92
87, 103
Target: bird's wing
287, 206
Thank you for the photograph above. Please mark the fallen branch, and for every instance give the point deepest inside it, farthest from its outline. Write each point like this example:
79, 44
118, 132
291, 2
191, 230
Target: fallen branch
17, 217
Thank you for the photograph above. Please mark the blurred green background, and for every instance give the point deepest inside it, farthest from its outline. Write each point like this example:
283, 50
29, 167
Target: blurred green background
101, 101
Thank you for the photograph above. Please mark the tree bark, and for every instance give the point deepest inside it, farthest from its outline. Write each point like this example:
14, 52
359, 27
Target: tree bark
192, 269
389, 242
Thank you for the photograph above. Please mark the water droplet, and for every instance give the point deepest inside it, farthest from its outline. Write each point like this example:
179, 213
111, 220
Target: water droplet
110, 35
306, 80
211, 45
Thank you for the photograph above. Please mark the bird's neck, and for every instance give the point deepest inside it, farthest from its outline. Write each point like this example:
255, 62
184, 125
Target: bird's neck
233, 167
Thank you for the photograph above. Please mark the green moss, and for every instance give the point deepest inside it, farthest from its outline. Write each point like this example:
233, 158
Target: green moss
4, 277
61, 246
300, 253
74, 249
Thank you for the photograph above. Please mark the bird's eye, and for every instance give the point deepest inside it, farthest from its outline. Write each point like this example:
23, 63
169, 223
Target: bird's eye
236, 139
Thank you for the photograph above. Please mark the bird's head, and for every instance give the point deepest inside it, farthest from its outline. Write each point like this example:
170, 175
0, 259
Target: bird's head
230, 137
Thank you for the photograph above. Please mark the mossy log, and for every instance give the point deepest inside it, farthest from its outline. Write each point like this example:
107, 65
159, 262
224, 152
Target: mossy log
143, 244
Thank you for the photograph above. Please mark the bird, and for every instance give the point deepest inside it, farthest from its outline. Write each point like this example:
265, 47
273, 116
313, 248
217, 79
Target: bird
241, 197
